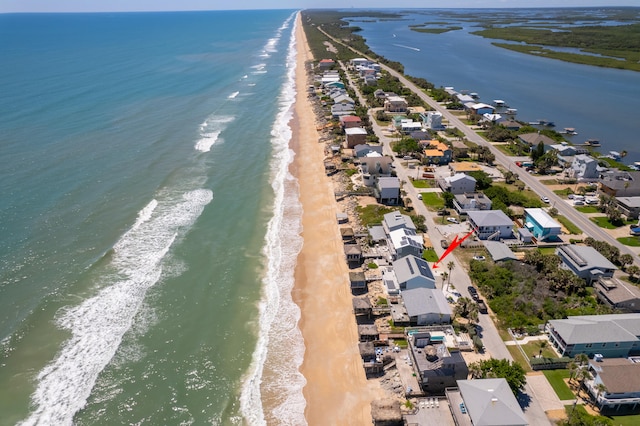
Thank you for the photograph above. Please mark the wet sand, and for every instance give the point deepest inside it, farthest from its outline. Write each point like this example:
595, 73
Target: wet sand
337, 391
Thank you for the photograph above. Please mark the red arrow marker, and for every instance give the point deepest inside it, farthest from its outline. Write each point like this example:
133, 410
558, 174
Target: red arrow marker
455, 243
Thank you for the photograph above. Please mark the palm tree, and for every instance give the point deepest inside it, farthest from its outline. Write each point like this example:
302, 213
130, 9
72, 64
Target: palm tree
542, 344
444, 278
633, 270
450, 267
573, 369
600, 388
583, 375
581, 359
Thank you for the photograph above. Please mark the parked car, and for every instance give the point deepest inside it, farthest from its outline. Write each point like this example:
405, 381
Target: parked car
443, 212
578, 203
452, 220
480, 258
463, 409
545, 200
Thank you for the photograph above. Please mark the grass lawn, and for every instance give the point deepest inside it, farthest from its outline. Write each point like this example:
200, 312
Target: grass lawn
432, 200
430, 255
533, 349
630, 241
588, 209
563, 192
423, 183
603, 222
550, 182
631, 420
573, 229
518, 357
547, 250
556, 380
372, 214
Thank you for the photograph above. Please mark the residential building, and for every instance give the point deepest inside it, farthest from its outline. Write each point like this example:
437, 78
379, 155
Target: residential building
408, 126
612, 336
388, 190
396, 220
480, 108
339, 110
499, 251
364, 150
487, 402
437, 153
374, 167
395, 104
357, 280
353, 253
355, 136
541, 225
348, 121
620, 381
490, 224
584, 167
436, 367
432, 120
586, 262
413, 272
471, 201
629, 206
426, 306
617, 294
533, 139
459, 183
404, 242
620, 184
326, 64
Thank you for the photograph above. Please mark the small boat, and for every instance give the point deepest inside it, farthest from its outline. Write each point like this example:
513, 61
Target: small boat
636, 166
542, 123
499, 103
592, 142
568, 131
474, 95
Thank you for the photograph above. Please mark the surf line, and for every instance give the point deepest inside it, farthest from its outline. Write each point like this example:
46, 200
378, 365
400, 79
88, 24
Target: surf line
407, 47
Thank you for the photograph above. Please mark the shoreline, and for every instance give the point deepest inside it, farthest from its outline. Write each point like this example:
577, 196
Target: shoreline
337, 391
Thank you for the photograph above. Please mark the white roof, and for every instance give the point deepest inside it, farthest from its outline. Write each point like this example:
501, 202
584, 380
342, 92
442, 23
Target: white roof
542, 218
355, 131
405, 237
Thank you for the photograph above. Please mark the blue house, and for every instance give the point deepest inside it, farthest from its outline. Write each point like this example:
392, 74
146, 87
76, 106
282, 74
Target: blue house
541, 225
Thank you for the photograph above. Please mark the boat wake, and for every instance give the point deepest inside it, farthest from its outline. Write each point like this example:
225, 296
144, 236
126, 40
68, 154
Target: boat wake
407, 47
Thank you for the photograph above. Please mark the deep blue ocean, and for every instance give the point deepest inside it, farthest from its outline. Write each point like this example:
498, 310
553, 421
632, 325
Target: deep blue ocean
148, 221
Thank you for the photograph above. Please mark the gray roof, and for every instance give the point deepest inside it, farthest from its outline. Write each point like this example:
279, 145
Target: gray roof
490, 402
630, 202
598, 328
388, 182
585, 257
499, 251
410, 267
397, 220
423, 301
377, 233
490, 218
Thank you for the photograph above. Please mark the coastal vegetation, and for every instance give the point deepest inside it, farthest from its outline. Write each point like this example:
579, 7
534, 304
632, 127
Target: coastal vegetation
612, 46
512, 372
423, 28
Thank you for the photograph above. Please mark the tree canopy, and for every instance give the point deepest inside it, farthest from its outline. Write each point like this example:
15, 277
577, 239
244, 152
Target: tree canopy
512, 372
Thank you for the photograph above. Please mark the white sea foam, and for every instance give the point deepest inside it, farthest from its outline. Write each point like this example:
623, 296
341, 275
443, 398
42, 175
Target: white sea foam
233, 95
98, 324
210, 131
282, 245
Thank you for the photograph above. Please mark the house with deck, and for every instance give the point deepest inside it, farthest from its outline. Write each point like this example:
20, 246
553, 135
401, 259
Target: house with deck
355, 136
396, 220
404, 242
426, 306
490, 224
437, 367
471, 201
612, 336
629, 206
615, 385
617, 294
395, 104
387, 190
584, 167
585, 261
459, 183
619, 184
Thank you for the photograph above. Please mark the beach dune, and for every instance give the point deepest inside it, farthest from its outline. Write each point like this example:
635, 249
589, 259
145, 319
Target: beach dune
337, 391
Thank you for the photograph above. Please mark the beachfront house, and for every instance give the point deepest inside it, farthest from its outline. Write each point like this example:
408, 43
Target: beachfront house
490, 224
617, 294
413, 272
542, 225
437, 367
585, 261
326, 64
404, 242
459, 183
426, 306
387, 190
357, 280
348, 121
612, 336
615, 385
584, 167
487, 402
376, 166
396, 220
353, 253
338, 110
355, 136
366, 150
471, 201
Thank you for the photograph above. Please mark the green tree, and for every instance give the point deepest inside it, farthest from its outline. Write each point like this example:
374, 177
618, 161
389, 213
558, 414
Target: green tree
625, 259
483, 180
448, 199
537, 152
633, 270
512, 372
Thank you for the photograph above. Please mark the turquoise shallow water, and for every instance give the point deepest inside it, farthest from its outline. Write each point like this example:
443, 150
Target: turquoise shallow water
143, 160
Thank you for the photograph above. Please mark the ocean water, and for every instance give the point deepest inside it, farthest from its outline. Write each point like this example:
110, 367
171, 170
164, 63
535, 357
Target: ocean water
599, 103
149, 223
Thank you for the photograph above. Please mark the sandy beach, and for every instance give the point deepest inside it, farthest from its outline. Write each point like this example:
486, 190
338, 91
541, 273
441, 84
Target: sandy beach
337, 391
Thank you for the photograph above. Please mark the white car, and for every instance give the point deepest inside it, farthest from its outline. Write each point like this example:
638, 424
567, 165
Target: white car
545, 200
419, 196
452, 220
